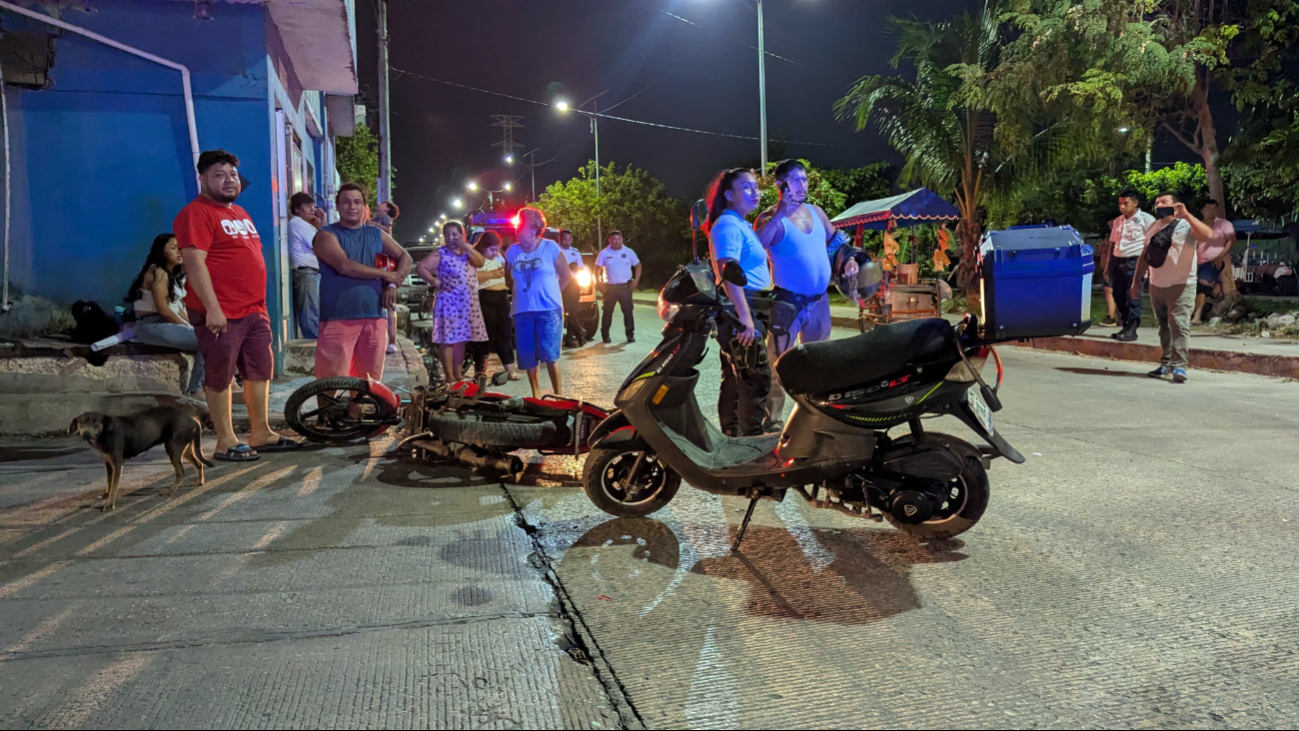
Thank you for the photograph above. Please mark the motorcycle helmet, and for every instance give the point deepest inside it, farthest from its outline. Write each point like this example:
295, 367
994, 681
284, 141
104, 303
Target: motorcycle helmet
862, 287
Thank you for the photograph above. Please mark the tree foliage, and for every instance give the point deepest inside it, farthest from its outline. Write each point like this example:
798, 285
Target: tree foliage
1089, 202
631, 201
866, 183
948, 144
358, 160
819, 190
1115, 73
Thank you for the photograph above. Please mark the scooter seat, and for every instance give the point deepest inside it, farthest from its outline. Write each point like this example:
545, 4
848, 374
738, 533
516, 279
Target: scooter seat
836, 365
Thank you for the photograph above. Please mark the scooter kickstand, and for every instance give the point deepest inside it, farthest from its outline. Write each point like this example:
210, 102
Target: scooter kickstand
748, 514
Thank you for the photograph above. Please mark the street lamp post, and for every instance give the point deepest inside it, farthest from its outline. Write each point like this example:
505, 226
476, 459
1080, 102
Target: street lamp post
595, 130
762, 90
491, 200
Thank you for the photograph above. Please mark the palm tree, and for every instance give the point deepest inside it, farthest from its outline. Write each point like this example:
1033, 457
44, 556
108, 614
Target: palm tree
948, 144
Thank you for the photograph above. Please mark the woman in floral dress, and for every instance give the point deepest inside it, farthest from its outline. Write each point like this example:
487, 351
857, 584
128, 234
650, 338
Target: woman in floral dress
452, 272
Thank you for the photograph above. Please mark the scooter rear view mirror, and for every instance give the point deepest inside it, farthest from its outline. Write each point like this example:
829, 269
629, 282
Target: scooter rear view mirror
731, 272
698, 214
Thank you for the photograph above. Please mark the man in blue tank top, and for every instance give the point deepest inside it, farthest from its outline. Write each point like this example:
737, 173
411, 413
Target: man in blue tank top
355, 292
795, 234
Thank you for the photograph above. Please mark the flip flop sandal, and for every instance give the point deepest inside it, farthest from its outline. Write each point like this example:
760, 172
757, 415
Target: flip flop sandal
283, 445
500, 378
238, 453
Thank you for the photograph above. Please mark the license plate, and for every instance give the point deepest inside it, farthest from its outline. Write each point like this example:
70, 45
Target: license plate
980, 408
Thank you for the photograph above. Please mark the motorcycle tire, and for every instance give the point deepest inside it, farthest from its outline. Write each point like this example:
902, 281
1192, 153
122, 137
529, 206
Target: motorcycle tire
600, 483
312, 430
974, 492
473, 429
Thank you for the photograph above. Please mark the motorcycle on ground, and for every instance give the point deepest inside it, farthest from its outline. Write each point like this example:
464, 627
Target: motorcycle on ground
462, 422
835, 450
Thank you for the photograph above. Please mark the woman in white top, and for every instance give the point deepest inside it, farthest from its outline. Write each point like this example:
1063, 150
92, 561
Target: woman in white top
160, 313
494, 300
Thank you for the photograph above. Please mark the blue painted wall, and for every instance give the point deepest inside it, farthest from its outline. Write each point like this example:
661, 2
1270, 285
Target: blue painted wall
101, 158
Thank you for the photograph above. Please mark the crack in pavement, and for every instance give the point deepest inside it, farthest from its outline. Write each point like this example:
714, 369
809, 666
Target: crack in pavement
264, 637
615, 690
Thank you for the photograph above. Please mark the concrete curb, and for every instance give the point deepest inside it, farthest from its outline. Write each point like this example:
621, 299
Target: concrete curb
1285, 366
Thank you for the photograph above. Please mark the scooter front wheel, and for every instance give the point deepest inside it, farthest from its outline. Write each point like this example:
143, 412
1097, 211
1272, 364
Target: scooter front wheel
628, 483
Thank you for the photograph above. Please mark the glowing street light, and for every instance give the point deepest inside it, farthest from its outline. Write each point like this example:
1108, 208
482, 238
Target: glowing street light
472, 185
507, 187
509, 159
561, 105
457, 203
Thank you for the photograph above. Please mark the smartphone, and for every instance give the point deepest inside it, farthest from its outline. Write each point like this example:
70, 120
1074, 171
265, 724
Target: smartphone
1164, 211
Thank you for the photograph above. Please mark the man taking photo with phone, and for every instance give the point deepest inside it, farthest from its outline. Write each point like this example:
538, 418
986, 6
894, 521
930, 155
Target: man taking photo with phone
795, 234
1170, 257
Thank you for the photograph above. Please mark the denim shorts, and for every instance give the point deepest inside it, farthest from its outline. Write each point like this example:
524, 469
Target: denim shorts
1208, 272
537, 337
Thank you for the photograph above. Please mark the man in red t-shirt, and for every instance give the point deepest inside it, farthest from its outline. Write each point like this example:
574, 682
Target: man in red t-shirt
226, 298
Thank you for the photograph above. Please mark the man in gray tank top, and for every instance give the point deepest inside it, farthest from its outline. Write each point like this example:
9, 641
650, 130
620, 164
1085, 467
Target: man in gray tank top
356, 290
795, 234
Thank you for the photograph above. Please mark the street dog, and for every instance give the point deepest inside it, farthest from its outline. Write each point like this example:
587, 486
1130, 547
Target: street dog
118, 438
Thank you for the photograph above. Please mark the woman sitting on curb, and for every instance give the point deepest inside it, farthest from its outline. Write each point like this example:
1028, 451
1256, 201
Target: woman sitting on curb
160, 314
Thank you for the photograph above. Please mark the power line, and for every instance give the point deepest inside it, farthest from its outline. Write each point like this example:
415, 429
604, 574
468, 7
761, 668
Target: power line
697, 131
642, 122
633, 96
737, 43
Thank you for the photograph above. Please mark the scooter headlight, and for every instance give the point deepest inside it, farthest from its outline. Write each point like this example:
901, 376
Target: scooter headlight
667, 310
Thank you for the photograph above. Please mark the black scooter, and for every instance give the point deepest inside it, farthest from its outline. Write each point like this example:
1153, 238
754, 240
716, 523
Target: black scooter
835, 449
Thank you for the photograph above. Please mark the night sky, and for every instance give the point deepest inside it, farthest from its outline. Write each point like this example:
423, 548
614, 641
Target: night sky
704, 78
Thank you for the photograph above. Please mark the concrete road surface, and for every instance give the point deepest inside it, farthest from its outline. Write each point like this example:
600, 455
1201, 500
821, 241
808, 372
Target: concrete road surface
1141, 569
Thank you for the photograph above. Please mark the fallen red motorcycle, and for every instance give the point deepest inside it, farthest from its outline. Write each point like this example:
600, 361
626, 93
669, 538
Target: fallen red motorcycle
461, 421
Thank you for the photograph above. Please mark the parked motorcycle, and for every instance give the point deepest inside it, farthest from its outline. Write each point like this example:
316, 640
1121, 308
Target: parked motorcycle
835, 450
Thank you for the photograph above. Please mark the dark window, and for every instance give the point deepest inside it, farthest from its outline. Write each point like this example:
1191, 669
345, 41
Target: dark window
27, 58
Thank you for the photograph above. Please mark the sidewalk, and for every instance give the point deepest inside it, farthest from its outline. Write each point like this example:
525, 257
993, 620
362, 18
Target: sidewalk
1209, 351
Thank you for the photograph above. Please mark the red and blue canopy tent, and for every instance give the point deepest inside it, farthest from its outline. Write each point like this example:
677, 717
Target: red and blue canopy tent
912, 208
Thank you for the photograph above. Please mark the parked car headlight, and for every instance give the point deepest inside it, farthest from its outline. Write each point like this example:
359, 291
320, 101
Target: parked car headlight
584, 278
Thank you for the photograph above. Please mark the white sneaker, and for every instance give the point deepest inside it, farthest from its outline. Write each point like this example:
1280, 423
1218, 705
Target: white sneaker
392, 348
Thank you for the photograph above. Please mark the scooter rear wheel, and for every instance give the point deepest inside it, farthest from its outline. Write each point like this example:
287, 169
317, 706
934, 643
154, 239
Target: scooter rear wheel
967, 495
606, 481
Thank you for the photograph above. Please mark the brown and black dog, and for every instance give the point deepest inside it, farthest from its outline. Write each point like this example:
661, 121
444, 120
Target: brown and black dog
119, 438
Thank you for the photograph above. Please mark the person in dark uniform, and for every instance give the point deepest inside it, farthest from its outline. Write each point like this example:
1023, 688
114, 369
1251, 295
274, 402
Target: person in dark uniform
746, 372
574, 335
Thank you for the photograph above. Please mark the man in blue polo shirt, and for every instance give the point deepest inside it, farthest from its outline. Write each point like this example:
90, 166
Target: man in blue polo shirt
746, 372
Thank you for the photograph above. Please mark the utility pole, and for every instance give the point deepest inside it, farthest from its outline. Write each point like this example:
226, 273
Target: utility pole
385, 137
762, 90
532, 170
599, 222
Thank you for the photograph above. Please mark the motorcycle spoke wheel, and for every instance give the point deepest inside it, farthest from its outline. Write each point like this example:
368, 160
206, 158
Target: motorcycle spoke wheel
334, 410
